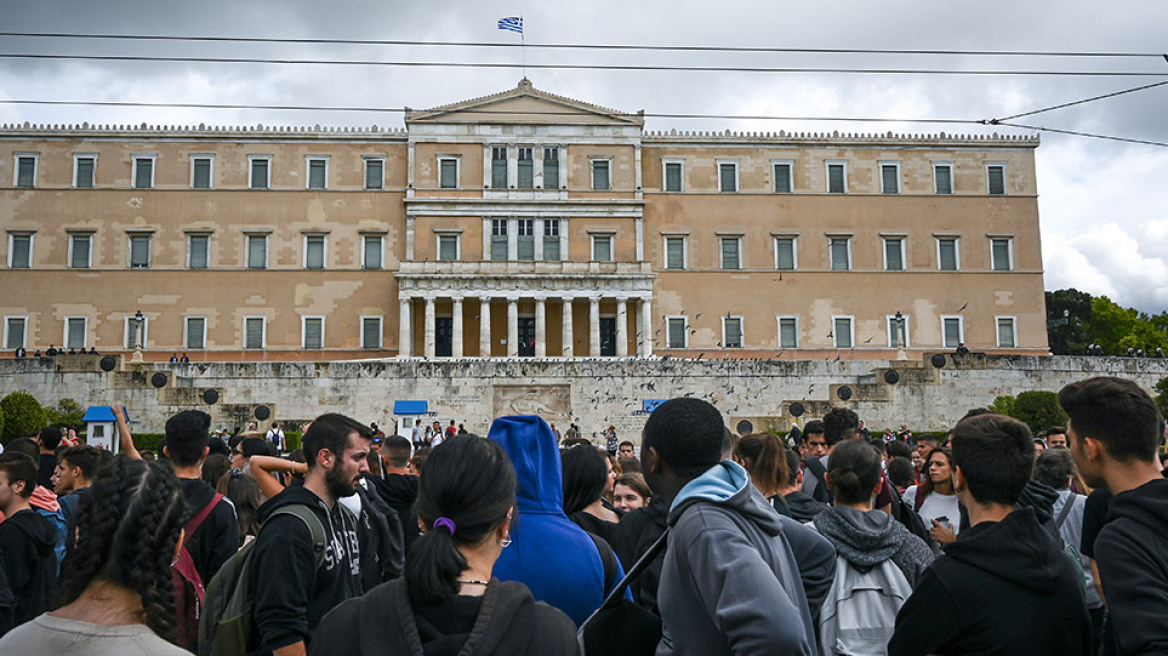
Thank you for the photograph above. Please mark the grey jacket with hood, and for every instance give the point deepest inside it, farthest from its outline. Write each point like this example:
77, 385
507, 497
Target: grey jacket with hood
739, 578
867, 539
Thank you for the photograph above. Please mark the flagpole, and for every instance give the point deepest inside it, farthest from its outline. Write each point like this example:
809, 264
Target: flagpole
523, 46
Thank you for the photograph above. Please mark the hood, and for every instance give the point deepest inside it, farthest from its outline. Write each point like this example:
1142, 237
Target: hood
533, 450
293, 495
1039, 496
40, 532
1017, 549
803, 506
397, 488
865, 539
44, 498
1146, 505
728, 484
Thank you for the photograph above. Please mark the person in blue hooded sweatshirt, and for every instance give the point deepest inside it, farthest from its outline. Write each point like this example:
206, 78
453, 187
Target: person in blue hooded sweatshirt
738, 577
557, 560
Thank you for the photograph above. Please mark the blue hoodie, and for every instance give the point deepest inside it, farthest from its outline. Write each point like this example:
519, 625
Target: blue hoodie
548, 553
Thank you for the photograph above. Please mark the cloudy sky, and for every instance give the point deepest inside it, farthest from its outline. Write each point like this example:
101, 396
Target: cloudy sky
1104, 203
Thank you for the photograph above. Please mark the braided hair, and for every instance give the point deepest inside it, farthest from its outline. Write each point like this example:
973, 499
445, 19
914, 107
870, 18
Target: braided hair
128, 528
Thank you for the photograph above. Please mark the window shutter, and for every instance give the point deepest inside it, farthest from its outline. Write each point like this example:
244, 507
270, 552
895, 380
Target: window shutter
85, 173
314, 258
80, 251
788, 336
944, 179
1001, 254
726, 175
15, 333
76, 333
498, 167
839, 255
139, 252
997, 181
25, 171
259, 174
143, 172
783, 178
372, 253
198, 255
449, 174
202, 174
894, 259
257, 255
195, 333
312, 333
677, 333
316, 173
255, 334
371, 335
948, 251
889, 182
835, 178
374, 174
786, 254
674, 253
843, 333
21, 255
672, 176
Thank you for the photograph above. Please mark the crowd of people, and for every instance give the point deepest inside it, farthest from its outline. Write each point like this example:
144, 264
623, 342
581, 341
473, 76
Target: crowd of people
824, 541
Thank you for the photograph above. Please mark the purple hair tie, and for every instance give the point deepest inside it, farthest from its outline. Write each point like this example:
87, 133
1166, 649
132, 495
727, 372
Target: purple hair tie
443, 521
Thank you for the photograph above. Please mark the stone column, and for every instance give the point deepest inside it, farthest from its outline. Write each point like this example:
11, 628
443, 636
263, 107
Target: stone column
568, 338
622, 327
646, 328
594, 326
405, 342
456, 328
540, 327
485, 327
512, 326
428, 337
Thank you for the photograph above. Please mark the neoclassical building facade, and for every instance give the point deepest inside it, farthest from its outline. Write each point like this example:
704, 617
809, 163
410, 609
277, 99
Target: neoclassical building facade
521, 224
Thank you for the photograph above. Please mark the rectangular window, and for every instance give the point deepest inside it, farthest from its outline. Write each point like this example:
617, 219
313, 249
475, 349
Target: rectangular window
785, 254
317, 173
79, 250
201, 172
84, 170
602, 248
371, 251
678, 332
143, 172
195, 333
551, 240
448, 248
498, 167
947, 254
198, 251
371, 332
314, 249
731, 252
788, 332
14, 328
841, 253
1006, 332
952, 332
525, 248
943, 178
26, 171
890, 178
253, 332
675, 252
260, 172
897, 338
257, 251
996, 179
133, 336
842, 332
1000, 248
499, 240
894, 254
448, 173
601, 180
782, 171
728, 177
732, 332
19, 250
551, 167
673, 176
526, 170
837, 178
140, 251
374, 173
313, 332
76, 332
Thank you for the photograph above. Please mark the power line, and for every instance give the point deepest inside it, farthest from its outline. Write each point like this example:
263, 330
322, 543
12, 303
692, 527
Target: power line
997, 121
1086, 134
596, 67
580, 46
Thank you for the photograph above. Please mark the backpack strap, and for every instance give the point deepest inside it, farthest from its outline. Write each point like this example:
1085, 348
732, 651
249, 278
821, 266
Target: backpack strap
607, 558
197, 521
310, 520
634, 573
1062, 516
918, 499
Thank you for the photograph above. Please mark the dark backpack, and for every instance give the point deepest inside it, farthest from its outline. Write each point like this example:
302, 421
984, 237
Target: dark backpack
909, 517
379, 536
227, 626
820, 493
188, 584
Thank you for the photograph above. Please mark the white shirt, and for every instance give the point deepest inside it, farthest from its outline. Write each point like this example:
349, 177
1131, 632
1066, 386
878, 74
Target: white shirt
936, 505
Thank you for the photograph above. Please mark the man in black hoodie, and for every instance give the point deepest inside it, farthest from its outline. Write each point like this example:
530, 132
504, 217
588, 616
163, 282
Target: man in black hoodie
1004, 586
291, 591
1114, 433
28, 564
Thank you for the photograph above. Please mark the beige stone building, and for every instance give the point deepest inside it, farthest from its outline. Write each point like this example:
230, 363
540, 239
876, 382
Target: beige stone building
517, 224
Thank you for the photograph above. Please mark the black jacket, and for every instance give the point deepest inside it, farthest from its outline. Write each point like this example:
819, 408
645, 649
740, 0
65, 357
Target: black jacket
1002, 588
636, 532
291, 594
400, 491
29, 563
217, 538
1132, 554
510, 622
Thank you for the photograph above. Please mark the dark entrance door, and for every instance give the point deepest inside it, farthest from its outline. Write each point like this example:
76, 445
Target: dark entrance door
526, 337
608, 336
443, 336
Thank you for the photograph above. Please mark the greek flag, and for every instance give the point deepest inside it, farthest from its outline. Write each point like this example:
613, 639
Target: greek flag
512, 23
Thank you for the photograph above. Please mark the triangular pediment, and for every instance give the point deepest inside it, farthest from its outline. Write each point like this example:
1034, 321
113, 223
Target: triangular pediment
524, 105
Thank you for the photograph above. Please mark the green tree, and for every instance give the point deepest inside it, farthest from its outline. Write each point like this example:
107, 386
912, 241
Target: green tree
23, 415
1067, 313
67, 414
1003, 405
1039, 410
1162, 396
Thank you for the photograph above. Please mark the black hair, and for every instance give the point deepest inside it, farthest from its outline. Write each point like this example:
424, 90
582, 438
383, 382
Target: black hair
898, 449
687, 434
1056, 430
214, 467
1118, 413
878, 444
584, 477
84, 457
764, 456
331, 432
576, 441
854, 471
397, 450
973, 412
234, 440
26, 446
839, 424
627, 443
814, 426
471, 482
217, 446
20, 467
244, 493
186, 437
50, 437
901, 472
792, 467
127, 531
1054, 467
929, 438
254, 446
995, 454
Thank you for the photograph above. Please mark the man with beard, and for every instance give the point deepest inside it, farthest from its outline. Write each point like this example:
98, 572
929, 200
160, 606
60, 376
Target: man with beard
292, 585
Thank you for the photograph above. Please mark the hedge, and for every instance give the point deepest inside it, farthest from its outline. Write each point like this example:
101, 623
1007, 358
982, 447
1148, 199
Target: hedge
23, 415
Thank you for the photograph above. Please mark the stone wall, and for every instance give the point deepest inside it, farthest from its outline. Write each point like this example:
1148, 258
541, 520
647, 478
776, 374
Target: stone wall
592, 393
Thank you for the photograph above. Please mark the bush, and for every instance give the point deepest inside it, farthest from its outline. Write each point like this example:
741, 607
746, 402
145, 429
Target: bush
1004, 405
1039, 410
292, 439
67, 414
148, 441
1162, 396
23, 416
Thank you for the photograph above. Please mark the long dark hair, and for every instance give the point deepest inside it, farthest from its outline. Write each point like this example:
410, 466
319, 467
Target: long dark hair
927, 484
765, 458
245, 495
584, 477
127, 532
471, 482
